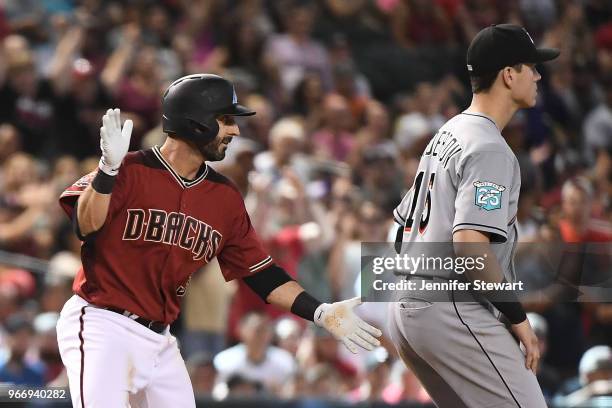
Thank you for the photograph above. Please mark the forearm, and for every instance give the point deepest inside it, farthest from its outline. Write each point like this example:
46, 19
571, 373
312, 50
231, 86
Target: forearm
476, 245
92, 210
284, 295
275, 286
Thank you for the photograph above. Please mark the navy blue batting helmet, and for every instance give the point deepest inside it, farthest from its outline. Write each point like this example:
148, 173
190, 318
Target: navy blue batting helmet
192, 103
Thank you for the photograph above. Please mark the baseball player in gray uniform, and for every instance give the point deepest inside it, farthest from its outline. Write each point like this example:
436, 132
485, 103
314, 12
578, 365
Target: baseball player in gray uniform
466, 191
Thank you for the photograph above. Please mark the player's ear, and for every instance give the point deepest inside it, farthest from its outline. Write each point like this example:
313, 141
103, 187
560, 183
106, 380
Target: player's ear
507, 75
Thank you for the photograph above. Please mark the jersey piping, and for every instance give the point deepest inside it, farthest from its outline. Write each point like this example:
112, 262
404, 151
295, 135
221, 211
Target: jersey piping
260, 265
175, 175
481, 116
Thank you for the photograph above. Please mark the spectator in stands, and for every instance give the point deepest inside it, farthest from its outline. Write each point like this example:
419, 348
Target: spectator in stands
598, 123
287, 140
576, 224
404, 386
28, 100
292, 54
206, 332
239, 163
335, 140
16, 286
25, 219
379, 181
308, 100
345, 84
375, 132
257, 128
329, 371
603, 42
81, 103
421, 23
10, 142
322, 382
595, 365
17, 370
203, 374
595, 379
241, 388
366, 222
288, 333
378, 367
255, 359
46, 346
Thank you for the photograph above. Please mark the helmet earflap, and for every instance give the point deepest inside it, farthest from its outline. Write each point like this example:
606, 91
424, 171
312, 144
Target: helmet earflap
200, 132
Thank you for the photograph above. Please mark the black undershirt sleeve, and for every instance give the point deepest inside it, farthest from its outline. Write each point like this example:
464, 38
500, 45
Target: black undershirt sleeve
266, 280
509, 306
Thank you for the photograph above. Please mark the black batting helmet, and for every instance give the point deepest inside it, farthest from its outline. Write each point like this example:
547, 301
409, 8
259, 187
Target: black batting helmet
192, 103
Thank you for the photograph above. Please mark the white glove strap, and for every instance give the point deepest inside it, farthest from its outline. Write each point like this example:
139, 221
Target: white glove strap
107, 169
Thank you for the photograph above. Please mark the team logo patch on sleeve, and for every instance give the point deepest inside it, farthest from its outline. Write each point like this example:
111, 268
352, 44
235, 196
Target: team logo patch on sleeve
488, 195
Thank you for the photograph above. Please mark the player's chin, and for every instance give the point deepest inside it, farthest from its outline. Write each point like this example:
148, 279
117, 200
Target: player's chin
214, 154
216, 157
529, 102
220, 153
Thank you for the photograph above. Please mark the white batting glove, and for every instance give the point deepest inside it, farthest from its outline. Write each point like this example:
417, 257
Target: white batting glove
342, 322
114, 141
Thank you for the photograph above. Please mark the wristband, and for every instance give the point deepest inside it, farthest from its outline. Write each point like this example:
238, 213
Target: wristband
305, 306
512, 310
103, 183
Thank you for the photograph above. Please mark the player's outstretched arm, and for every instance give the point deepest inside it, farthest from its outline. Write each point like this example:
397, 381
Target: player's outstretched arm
94, 202
338, 318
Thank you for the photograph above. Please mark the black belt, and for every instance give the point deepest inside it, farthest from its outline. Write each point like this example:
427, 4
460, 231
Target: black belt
157, 327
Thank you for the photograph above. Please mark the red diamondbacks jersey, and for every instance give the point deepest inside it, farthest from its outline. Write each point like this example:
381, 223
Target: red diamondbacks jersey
158, 231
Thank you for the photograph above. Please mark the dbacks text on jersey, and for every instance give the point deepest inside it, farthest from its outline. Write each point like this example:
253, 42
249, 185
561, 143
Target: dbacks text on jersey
174, 228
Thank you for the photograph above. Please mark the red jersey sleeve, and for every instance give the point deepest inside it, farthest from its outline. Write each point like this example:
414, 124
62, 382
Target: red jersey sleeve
70, 196
243, 253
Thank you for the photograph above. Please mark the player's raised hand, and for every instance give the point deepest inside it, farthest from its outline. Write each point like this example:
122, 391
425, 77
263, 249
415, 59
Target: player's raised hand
342, 322
114, 141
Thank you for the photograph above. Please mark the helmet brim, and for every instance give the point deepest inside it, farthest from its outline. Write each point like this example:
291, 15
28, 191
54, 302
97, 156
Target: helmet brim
238, 110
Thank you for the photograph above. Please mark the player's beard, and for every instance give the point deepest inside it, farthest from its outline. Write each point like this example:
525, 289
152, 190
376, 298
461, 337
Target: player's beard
215, 149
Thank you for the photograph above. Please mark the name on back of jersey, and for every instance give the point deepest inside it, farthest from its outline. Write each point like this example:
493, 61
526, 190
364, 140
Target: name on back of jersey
444, 146
173, 228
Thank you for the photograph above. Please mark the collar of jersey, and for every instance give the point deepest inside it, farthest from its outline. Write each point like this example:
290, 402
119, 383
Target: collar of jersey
481, 115
175, 175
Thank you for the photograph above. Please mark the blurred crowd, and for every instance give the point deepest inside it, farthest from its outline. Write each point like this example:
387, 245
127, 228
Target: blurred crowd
347, 94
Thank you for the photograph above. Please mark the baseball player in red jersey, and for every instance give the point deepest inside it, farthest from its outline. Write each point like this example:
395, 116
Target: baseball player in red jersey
148, 220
